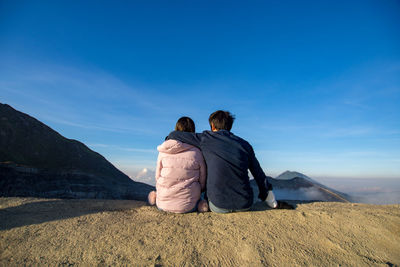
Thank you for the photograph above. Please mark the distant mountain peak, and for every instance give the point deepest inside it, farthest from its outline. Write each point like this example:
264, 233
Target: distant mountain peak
291, 185
288, 175
145, 175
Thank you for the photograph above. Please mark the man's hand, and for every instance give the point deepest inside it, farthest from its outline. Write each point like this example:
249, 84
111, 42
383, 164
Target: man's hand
262, 195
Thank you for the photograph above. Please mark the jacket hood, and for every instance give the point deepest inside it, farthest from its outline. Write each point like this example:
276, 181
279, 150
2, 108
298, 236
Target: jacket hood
173, 147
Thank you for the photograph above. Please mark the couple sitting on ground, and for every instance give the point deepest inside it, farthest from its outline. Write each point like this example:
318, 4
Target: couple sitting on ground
181, 173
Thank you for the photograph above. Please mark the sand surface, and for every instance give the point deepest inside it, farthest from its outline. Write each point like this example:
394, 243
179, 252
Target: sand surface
116, 232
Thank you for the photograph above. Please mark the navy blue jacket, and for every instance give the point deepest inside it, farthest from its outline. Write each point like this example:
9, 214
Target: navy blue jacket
228, 158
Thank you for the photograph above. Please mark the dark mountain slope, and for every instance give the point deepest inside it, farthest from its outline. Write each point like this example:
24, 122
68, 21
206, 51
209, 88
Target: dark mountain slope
35, 160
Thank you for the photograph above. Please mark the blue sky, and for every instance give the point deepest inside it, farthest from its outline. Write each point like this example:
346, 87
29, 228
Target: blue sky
314, 85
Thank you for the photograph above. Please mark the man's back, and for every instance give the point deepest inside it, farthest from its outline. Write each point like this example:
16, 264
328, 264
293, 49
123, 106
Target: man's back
228, 158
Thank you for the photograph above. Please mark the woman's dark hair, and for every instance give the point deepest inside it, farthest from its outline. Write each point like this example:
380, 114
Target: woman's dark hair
185, 124
222, 120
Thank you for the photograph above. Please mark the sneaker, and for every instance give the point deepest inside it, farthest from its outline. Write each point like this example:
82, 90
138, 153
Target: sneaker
271, 201
202, 206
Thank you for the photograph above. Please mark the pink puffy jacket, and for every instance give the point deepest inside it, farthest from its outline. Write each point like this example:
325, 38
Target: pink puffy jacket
180, 175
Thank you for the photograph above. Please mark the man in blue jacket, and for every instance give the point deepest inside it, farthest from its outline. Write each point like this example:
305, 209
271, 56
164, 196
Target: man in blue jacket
228, 158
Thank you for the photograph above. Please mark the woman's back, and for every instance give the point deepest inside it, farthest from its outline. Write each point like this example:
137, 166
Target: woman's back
180, 175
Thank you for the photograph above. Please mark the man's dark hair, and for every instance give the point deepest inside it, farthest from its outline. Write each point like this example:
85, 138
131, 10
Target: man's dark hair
222, 120
185, 124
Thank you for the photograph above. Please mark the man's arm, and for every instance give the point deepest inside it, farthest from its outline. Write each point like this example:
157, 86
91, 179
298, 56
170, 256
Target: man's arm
258, 175
186, 137
203, 175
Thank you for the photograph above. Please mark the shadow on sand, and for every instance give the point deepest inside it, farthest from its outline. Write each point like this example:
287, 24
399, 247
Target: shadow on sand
52, 210
282, 205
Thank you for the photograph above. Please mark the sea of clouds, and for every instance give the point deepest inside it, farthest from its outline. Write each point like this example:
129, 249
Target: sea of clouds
362, 190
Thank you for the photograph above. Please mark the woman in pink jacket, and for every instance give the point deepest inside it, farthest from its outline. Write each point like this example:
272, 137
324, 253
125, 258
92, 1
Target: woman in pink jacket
180, 175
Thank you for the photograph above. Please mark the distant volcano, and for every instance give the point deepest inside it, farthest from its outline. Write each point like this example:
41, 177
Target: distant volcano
297, 186
146, 176
37, 161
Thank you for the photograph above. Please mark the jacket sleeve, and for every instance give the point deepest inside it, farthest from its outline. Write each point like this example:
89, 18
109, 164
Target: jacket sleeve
258, 175
159, 166
203, 174
186, 137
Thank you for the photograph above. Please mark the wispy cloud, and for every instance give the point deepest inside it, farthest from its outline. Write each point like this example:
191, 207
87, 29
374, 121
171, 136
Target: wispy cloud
347, 132
326, 156
61, 81
112, 127
365, 86
355, 103
86, 99
321, 129
361, 163
128, 149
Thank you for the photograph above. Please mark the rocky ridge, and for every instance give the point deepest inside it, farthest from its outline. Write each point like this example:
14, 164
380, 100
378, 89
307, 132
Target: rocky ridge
37, 161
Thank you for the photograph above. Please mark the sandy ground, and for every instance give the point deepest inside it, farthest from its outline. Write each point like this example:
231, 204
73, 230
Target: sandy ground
114, 232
